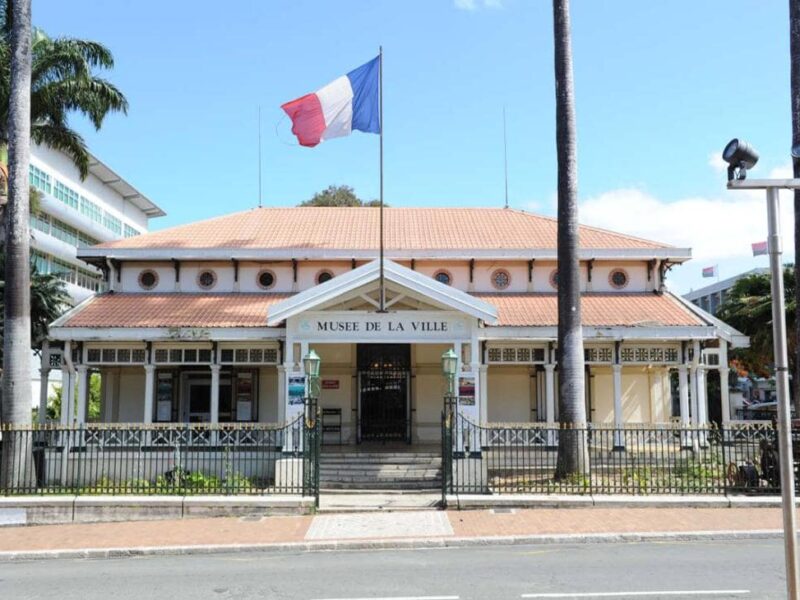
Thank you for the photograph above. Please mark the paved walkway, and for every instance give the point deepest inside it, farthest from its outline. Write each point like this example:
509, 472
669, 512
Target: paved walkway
426, 524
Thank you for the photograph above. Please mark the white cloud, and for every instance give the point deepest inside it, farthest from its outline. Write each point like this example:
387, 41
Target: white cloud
476, 4
716, 162
718, 230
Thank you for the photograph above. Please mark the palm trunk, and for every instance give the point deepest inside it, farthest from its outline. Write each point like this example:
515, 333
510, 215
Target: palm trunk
573, 457
794, 52
16, 466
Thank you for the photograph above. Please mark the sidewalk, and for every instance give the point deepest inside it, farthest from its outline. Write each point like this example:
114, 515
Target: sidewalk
387, 529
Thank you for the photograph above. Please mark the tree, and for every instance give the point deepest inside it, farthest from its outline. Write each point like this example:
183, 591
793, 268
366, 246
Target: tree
94, 407
42, 82
748, 308
573, 456
338, 195
49, 300
17, 457
794, 52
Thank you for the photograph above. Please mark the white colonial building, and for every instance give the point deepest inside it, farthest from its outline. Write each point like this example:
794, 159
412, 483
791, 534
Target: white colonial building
210, 321
74, 213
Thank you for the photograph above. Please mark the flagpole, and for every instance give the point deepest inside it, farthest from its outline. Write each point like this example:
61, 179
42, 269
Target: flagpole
382, 301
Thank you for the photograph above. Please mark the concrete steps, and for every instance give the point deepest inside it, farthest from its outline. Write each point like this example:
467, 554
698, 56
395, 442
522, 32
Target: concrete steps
380, 471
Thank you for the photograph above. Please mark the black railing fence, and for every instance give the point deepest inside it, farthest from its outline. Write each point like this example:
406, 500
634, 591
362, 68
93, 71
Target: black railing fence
530, 458
241, 458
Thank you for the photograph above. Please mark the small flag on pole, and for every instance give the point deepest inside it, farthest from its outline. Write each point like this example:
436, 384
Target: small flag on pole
335, 110
710, 271
759, 248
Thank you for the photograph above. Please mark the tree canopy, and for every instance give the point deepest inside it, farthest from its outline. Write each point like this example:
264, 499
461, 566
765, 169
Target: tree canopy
748, 308
338, 195
64, 79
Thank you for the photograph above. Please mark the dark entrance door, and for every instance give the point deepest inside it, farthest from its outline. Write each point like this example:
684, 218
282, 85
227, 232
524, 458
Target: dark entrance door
383, 375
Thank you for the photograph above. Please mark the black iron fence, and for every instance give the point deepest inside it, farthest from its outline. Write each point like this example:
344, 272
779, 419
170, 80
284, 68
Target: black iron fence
241, 458
601, 459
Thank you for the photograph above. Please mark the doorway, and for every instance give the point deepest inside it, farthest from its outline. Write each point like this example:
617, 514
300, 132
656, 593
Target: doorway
198, 400
384, 409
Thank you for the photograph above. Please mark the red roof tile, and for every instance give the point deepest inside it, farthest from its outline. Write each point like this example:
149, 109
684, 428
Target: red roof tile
357, 229
250, 310
597, 309
175, 310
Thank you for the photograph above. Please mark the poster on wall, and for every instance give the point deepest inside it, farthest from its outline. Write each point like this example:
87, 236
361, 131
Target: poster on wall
297, 389
466, 390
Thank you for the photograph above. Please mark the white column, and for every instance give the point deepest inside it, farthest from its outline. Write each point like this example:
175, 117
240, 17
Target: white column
619, 434
66, 385
550, 402
702, 402
83, 393
724, 383
282, 396
44, 376
215, 393
483, 392
683, 389
149, 392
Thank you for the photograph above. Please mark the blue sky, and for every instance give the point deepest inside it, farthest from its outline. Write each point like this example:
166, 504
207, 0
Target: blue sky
661, 86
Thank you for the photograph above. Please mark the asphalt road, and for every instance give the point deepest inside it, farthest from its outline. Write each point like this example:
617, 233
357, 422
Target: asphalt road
740, 569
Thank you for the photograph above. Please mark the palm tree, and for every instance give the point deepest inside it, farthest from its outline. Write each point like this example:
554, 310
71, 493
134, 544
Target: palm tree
16, 462
573, 457
42, 82
794, 53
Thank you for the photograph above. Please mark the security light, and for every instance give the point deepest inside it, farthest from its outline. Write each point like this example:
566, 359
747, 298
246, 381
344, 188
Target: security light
740, 157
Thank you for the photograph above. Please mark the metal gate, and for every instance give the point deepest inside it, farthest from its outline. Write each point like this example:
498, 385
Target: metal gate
384, 409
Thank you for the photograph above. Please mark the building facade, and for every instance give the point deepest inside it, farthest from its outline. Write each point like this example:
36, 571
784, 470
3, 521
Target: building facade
711, 297
209, 322
74, 213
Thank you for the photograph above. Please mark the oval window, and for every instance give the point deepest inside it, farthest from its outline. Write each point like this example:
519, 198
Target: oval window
324, 276
148, 279
501, 279
207, 279
443, 277
266, 279
618, 279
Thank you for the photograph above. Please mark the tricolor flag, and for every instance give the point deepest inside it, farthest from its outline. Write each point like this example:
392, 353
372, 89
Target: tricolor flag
347, 103
710, 271
759, 248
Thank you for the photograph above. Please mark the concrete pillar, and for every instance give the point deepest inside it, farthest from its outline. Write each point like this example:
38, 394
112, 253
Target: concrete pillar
619, 419
724, 383
83, 394
215, 393
483, 392
149, 392
66, 386
550, 403
44, 376
702, 402
683, 389
282, 395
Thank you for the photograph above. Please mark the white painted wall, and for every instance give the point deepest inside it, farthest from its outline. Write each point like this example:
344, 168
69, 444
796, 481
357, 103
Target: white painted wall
511, 394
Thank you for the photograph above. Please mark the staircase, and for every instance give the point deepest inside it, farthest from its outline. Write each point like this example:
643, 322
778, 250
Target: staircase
409, 470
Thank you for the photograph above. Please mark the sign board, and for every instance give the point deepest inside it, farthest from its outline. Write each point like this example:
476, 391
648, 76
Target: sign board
297, 389
466, 390
353, 326
330, 384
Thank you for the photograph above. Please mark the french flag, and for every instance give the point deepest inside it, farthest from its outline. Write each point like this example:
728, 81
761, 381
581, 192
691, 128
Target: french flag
347, 103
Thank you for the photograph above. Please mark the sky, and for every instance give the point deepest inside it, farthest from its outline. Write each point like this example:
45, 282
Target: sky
660, 89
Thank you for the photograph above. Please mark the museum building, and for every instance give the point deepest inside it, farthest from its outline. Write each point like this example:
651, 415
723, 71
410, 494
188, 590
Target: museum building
210, 321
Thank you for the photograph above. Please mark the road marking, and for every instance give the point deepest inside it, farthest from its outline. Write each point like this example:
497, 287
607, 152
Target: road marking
688, 593
398, 598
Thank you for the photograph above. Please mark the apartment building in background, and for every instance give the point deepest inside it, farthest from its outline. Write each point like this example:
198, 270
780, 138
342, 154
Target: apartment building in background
74, 213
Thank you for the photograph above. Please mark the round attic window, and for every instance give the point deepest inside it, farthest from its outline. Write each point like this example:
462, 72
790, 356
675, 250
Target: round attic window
148, 279
501, 279
443, 276
207, 279
324, 276
618, 279
266, 279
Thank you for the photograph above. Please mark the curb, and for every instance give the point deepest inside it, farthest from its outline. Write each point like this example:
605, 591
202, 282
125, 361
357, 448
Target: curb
393, 544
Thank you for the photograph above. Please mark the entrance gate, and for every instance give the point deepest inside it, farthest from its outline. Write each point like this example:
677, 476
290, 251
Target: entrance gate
384, 410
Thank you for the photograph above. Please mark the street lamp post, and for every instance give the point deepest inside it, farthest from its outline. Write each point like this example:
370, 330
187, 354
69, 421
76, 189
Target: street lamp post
742, 157
311, 364
449, 370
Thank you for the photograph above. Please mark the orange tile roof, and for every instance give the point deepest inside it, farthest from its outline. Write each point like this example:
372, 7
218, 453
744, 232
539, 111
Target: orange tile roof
250, 310
597, 310
175, 310
357, 229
